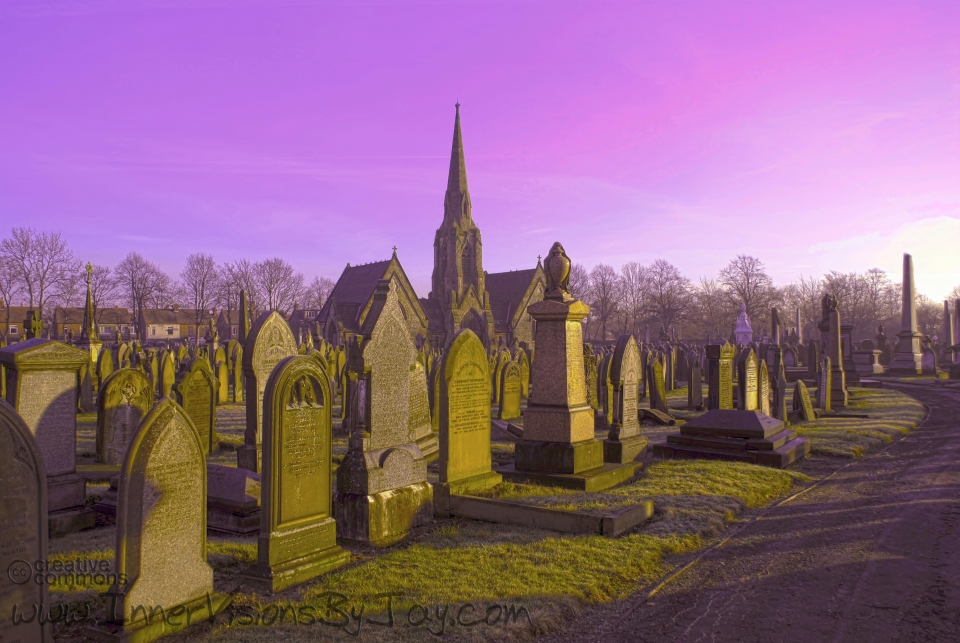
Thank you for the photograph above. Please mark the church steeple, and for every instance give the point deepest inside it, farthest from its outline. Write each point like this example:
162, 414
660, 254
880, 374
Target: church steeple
456, 202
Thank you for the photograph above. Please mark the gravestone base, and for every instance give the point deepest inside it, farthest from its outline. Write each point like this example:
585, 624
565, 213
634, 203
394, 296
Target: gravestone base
225, 521
745, 436
429, 445
838, 388
558, 457
597, 479
443, 490
624, 450
67, 521
66, 491
320, 539
383, 518
233, 500
97, 472
142, 631
249, 457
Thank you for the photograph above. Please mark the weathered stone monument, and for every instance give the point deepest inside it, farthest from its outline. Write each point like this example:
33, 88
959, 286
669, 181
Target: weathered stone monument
694, 384
126, 397
23, 536
558, 445
658, 388
763, 389
298, 535
42, 387
268, 342
196, 392
747, 374
720, 376
624, 441
824, 384
464, 409
908, 358
382, 488
801, 402
743, 332
161, 551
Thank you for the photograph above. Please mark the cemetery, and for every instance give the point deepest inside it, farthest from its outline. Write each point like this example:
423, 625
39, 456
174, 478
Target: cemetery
461, 474
689, 370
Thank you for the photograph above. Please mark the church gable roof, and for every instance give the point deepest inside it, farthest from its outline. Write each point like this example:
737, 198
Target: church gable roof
507, 291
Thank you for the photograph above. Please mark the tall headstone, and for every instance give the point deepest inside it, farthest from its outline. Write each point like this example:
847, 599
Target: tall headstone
747, 373
196, 391
298, 535
23, 537
824, 384
223, 382
558, 445
267, 343
624, 441
42, 388
838, 375
161, 550
908, 358
510, 392
658, 388
521, 357
694, 384
464, 411
382, 488
126, 397
763, 389
168, 374
590, 373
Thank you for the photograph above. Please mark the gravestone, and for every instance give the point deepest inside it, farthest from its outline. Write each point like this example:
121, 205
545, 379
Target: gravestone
763, 389
928, 361
725, 377
23, 537
161, 552
267, 343
421, 426
464, 411
168, 374
658, 391
521, 358
908, 358
695, 384
559, 446
237, 375
779, 400
824, 388
604, 393
298, 535
86, 403
590, 373
624, 441
223, 383
42, 388
747, 381
233, 500
510, 392
104, 367
126, 397
196, 391
802, 403
382, 488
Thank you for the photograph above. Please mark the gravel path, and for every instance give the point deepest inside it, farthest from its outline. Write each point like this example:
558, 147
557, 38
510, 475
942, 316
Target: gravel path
872, 554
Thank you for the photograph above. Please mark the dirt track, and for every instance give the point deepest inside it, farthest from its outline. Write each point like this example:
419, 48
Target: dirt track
872, 554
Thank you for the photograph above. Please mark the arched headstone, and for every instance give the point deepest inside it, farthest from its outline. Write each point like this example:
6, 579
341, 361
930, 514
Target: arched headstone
196, 391
126, 397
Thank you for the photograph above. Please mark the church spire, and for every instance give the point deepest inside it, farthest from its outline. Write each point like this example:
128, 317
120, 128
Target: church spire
457, 181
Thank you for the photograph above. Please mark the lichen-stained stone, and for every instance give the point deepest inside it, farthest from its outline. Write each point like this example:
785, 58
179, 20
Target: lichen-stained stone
510, 391
161, 550
125, 398
298, 535
624, 441
196, 391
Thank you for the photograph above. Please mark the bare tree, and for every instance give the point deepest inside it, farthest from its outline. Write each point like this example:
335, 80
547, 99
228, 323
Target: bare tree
279, 285
237, 276
604, 295
579, 281
104, 289
747, 282
199, 278
10, 288
633, 288
711, 310
317, 292
669, 293
165, 292
137, 278
42, 262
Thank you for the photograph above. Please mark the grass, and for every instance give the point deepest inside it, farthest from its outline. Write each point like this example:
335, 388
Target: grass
454, 562
892, 414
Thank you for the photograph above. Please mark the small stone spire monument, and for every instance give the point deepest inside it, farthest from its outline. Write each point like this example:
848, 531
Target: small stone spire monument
907, 359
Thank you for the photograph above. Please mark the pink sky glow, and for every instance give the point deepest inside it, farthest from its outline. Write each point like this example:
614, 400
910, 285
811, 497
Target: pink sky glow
813, 135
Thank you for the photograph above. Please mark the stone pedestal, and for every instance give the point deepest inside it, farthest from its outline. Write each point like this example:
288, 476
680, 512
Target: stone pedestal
558, 446
867, 362
908, 358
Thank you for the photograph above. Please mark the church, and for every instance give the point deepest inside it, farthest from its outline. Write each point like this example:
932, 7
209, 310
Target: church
462, 295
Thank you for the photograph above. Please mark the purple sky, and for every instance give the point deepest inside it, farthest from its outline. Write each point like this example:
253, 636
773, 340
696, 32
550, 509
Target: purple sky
814, 135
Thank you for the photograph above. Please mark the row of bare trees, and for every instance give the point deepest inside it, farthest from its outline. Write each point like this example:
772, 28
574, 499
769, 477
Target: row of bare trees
645, 300
38, 269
